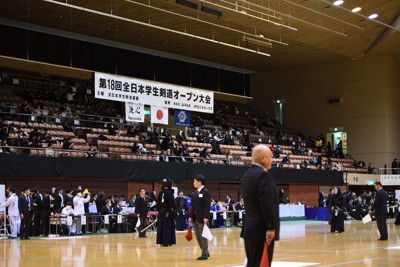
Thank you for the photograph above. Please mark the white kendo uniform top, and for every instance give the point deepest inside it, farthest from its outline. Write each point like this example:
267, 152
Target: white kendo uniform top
79, 208
12, 204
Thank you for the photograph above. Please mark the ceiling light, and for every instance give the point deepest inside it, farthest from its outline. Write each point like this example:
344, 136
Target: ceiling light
252, 40
338, 2
356, 9
373, 16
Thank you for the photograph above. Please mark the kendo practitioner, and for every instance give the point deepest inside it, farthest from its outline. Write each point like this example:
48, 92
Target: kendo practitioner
166, 214
338, 205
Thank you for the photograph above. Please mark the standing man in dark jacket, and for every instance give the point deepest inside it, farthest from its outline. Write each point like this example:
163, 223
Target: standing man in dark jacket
141, 209
380, 210
25, 209
181, 211
260, 194
200, 213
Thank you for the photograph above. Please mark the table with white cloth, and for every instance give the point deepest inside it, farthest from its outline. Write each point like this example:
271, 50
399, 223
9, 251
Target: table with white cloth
291, 210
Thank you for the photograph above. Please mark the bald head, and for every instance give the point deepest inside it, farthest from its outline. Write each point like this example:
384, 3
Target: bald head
262, 155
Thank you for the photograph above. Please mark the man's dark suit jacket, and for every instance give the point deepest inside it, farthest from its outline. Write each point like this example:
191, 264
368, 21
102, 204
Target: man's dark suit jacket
261, 198
23, 206
142, 206
201, 203
379, 205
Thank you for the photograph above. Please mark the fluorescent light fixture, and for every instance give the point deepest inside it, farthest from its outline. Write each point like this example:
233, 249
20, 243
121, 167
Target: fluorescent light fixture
187, 4
211, 11
373, 16
338, 2
257, 41
356, 9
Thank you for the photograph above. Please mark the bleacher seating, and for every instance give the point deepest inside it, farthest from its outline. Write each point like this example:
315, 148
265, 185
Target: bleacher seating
119, 146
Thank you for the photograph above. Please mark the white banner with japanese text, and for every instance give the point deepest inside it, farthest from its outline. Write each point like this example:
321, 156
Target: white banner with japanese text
134, 90
134, 112
390, 179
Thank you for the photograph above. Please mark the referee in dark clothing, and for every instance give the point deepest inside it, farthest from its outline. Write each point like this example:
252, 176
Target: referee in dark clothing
380, 210
261, 198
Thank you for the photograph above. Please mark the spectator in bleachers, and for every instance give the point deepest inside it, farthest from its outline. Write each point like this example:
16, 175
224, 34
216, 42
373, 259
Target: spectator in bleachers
49, 151
361, 164
67, 125
285, 159
318, 144
70, 96
370, 168
296, 150
339, 150
395, 166
46, 137
329, 150
204, 154
313, 161
180, 137
217, 137
319, 162
216, 149
135, 148
247, 140
339, 166
304, 164
91, 153
67, 143
111, 129
5, 146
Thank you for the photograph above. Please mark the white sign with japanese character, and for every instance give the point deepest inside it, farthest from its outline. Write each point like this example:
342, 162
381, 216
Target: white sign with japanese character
134, 112
133, 90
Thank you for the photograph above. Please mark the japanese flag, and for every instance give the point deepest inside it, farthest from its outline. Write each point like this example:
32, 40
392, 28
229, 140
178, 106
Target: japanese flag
159, 115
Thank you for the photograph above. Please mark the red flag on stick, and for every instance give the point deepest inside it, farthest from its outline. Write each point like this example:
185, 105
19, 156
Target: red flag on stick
188, 235
264, 260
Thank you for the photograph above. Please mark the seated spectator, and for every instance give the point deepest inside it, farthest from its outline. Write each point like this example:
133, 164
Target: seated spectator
91, 153
67, 125
296, 150
216, 149
313, 161
278, 150
318, 144
135, 148
111, 129
339, 167
49, 151
370, 168
304, 164
180, 137
361, 164
286, 159
204, 154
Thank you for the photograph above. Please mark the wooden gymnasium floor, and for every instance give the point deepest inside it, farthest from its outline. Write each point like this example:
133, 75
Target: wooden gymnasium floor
303, 243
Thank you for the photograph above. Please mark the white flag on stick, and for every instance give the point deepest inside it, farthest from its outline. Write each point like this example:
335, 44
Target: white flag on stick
207, 233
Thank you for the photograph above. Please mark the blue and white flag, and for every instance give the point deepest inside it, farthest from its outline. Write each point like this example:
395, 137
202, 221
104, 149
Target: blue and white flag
182, 118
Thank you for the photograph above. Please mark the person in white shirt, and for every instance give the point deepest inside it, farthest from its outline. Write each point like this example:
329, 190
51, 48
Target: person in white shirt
79, 209
13, 212
68, 211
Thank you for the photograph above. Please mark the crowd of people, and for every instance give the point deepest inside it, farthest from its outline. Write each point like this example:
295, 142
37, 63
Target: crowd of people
349, 205
42, 205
